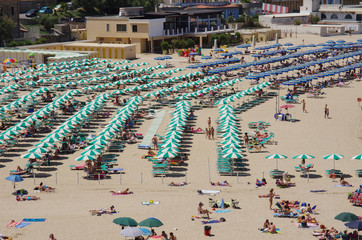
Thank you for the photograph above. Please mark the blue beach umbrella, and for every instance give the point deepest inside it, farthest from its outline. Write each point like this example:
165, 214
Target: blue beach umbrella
14, 179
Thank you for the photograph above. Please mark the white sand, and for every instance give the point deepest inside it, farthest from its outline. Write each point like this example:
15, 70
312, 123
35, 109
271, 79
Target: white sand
67, 210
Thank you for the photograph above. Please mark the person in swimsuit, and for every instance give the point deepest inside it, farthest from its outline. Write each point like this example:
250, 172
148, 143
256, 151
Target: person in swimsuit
26, 198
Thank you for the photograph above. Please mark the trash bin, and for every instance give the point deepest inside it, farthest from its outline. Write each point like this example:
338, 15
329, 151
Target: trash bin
207, 230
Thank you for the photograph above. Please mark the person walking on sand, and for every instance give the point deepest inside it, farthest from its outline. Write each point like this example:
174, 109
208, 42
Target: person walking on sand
303, 104
212, 133
271, 196
207, 133
209, 122
326, 111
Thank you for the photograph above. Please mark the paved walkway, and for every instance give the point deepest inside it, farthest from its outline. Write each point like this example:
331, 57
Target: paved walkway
147, 139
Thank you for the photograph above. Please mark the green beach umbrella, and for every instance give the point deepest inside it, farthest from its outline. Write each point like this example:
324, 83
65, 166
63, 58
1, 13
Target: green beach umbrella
276, 157
92, 152
32, 155
232, 155
100, 142
166, 155
346, 217
170, 144
303, 156
150, 222
86, 157
94, 146
38, 150
357, 157
125, 221
334, 157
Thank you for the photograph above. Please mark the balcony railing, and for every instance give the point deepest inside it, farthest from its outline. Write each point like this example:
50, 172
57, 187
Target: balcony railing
181, 31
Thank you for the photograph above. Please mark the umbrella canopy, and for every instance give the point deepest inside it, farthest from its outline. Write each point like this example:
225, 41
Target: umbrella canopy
357, 157
276, 156
287, 106
32, 155
15, 178
354, 225
334, 157
303, 156
125, 221
346, 217
132, 232
150, 222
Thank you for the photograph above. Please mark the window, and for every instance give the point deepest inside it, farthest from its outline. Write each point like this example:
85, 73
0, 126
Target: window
323, 16
348, 16
134, 28
12, 11
119, 39
107, 27
121, 28
334, 16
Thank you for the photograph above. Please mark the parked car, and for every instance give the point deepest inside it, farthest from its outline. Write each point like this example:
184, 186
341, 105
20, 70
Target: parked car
31, 13
46, 10
58, 8
78, 19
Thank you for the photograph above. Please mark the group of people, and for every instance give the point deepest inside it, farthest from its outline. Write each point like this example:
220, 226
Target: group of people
269, 227
163, 236
210, 131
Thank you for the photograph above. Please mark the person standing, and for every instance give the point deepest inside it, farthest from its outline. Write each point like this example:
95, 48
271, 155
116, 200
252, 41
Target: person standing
212, 133
326, 111
154, 141
209, 122
303, 104
271, 196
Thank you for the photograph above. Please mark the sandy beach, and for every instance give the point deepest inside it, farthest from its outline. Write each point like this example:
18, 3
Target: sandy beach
67, 209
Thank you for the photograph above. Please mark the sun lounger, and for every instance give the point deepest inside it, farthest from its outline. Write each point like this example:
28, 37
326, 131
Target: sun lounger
208, 192
77, 167
359, 172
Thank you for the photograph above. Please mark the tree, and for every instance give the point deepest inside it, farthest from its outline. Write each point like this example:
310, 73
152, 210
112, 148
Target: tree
190, 43
88, 6
64, 7
165, 46
237, 37
313, 19
48, 21
6, 29
241, 18
231, 19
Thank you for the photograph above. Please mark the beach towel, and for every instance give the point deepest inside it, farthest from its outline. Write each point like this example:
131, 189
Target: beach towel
34, 220
113, 194
277, 231
317, 191
13, 224
265, 196
339, 185
212, 221
150, 203
21, 225
310, 225
208, 192
222, 211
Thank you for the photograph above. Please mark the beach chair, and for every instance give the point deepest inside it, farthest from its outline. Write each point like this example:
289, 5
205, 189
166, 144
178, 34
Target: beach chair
359, 172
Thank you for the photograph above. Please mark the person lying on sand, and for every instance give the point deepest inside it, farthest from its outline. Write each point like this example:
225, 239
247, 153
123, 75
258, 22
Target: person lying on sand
260, 183
26, 198
224, 183
173, 184
101, 211
44, 188
124, 192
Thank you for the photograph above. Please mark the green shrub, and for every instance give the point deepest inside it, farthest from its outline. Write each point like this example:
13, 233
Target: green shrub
165, 46
190, 43
297, 21
41, 41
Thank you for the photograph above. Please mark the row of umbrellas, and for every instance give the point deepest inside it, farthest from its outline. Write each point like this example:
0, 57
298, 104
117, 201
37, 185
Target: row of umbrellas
110, 130
323, 74
173, 136
304, 65
239, 95
217, 62
176, 88
37, 116
231, 141
307, 156
66, 128
264, 61
208, 89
